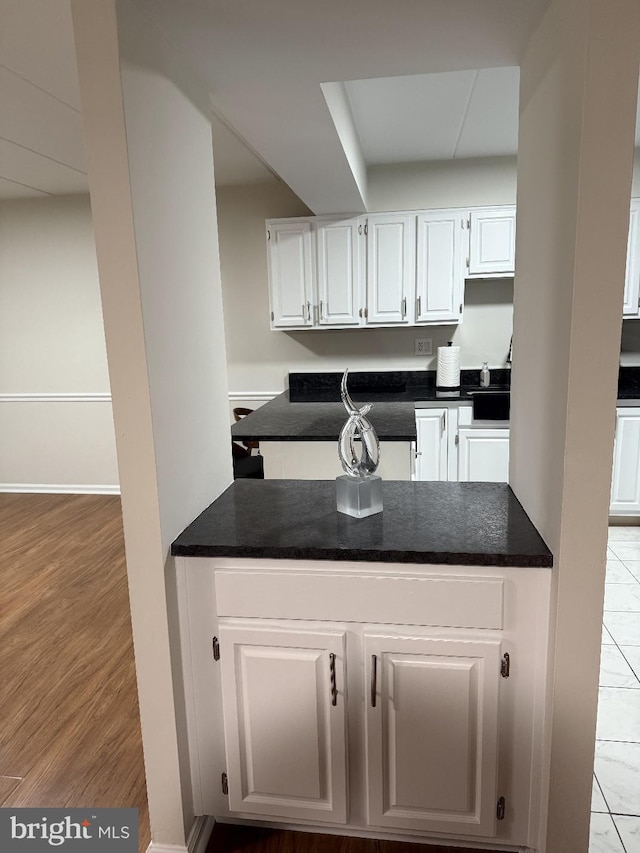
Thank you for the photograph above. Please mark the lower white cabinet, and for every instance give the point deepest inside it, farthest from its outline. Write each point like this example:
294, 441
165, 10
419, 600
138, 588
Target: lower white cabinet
431, 446
483, 455
625, 483
284, 721
432, 733
371, 698
452, 446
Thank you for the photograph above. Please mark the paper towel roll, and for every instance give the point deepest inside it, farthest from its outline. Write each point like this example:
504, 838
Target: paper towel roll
448, 371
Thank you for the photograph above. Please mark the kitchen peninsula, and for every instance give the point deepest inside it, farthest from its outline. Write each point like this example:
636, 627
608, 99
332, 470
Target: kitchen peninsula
400, 658
300, 427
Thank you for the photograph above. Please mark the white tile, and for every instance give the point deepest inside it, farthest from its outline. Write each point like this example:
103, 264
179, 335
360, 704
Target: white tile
625, 550
614, 669
632, 654
624, 534
607, 639
622, 597
623, 627
618, 715
603, 836
617, 767
598, 803
629, 829
633, 566
618, 573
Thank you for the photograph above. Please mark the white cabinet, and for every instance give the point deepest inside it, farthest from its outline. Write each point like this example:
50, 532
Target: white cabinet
439, 276
432, 733
391, 265
431, 447
632, 278
284, 721
492, 241
341, 265
625, 484
483, 454
422, 754
290, 263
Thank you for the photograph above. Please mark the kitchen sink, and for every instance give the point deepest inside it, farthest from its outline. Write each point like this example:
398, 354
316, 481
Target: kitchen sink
490, 405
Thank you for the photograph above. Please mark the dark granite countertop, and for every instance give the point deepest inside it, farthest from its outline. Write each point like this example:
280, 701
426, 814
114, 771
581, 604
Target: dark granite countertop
469, 524
311, 409
281, 420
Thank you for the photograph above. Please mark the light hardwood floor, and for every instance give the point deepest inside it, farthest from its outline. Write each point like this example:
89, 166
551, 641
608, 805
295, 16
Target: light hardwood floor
69, 720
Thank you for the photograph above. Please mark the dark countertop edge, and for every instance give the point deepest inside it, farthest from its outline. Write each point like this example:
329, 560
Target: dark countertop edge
260, 436
414, 558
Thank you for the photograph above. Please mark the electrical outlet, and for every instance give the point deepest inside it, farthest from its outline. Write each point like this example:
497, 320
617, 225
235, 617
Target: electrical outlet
423, 346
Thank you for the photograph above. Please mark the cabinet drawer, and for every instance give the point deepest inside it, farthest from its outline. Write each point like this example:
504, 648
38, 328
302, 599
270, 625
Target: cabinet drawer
442, 601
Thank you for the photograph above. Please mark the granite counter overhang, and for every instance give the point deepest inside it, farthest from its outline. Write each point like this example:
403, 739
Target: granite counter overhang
462, 524
312, 411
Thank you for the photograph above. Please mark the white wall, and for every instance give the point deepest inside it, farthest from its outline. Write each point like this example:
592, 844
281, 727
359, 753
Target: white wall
150, 168
259, 359
579, 79
55, 405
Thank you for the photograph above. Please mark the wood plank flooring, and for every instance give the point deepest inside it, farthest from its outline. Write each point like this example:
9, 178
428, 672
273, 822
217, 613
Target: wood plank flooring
69, 720
243, 839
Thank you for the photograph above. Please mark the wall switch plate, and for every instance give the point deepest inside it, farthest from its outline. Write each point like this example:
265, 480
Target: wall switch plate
423, 346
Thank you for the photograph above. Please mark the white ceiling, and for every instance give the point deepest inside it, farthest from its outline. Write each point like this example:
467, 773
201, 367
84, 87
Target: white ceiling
426, 80
455, 114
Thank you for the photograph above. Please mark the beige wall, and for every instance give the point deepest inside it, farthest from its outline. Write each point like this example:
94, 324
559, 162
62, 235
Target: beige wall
259, 359
55, 409
579, 81
150, 168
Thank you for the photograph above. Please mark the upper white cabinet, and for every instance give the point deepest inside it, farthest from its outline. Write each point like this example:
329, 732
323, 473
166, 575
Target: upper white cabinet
432, 733
625, 485
341, 266
632, 278
290, 263
390, 268
284, 721
439, 278
492, 242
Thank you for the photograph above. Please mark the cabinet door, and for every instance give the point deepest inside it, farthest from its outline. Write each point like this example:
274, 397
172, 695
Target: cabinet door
632, 278
432, 733
391, 268
431, 453
285, 737
483, 455
492, 241
290, 263
340, 247
625, 485
439, 276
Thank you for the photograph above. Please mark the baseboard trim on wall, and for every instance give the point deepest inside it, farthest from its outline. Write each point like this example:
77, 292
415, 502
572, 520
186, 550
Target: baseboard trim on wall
67, 397
197, 841
253, 395
59, 489
200, 834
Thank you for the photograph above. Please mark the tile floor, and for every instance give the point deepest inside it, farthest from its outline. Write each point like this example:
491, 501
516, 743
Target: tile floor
615, 806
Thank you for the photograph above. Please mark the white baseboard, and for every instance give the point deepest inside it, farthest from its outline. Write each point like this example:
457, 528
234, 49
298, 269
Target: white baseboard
197, 841
59, 489
200, 834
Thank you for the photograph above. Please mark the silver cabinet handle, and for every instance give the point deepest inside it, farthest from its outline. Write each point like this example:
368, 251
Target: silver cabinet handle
332, 676
404, 306
309, 312
374, 680
418, 306
321, 312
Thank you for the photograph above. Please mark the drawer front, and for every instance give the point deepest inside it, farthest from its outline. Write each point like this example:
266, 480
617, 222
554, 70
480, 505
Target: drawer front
455, 602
